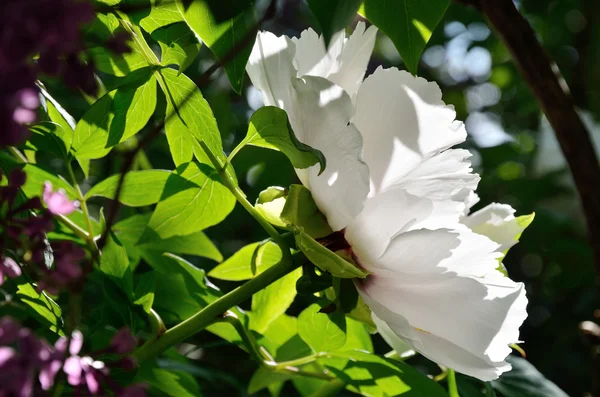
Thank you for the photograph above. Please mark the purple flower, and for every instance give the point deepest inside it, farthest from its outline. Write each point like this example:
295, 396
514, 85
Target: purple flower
123, 342
57, 202
8, 268
83, 371
9, 330
67, 272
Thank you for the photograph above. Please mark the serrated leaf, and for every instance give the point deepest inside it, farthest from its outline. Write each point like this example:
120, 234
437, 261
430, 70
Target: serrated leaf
239, 266
116, 116
41, 306
326, 260
408, 23
301, 211
333, 15
223, 37
323, 332
192, 110
193, 199
140, 188
269, 128
178, 45
271, 302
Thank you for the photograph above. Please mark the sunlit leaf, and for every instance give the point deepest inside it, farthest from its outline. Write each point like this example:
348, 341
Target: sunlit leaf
323, 332
239, 266
409, 23
178, 45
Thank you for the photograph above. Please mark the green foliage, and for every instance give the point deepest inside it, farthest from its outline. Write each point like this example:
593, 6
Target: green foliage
408, 23
334, 15
41, 306
323, 332
116, 116
140, 188
301, 212
178, 45
525, 380
324, 259
269, 128
222, 36
192, 200
239, 266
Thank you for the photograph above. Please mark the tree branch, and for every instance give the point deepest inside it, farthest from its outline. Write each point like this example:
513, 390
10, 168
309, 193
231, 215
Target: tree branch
551, 92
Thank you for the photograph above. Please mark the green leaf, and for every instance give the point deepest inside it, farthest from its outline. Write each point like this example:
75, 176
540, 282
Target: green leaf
162, 13
140, 188
333, 15
263, 377
269, 128
180, 139
271, 302
58, 115
192, 110
114, 263
223, 37
239, 266
301, 211
116, 116
323, 332
41, 306
178, 45
182, 290
46, 137
270, 204
326, 260
144, 291
193, 199
37, 176
346, 295
524, 380
118, 64
409, 23
130, 231
374, 376
170, 382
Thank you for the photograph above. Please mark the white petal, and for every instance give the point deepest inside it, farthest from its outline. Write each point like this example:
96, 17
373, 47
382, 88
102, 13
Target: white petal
447, 175
384, 216
271, 68
403, 348
344, 62
355, 58
497, 221
320, 119
403, 121
443, 284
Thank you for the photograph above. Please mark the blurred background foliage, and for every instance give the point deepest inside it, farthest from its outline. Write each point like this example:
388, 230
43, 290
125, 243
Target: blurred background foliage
514, 151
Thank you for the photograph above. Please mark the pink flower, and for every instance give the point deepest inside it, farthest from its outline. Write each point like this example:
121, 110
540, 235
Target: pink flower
57, 202
8, 268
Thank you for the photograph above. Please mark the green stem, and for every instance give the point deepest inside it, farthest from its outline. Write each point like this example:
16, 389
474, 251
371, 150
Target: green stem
140, 42
241, 198
84, 208
211, 312
156, 323
452, 387
82, 234
247, 338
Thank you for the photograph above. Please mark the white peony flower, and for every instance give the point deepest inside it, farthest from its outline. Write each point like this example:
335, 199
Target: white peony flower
399, 193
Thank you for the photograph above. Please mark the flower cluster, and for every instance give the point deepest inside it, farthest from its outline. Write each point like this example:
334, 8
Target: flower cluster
23, 356
23, 228
400, 195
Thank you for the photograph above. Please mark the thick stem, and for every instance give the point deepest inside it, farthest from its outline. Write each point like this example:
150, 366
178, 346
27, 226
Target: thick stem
558, 106
452, 387
210, 313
